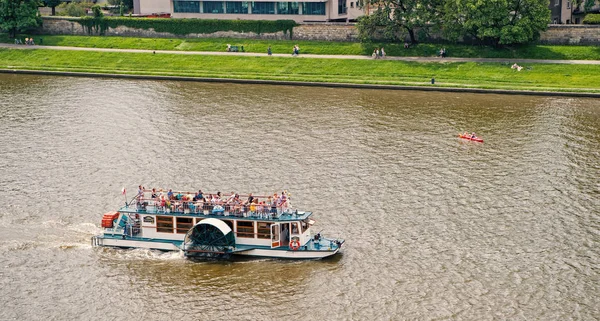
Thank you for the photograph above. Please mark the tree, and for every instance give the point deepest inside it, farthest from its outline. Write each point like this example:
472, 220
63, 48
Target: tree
124, 5
399, 18
52, 4
496, 22
19, 15
587, 4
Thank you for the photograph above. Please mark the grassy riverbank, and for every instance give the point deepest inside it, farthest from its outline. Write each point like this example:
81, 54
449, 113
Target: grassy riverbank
319, 47
542, 77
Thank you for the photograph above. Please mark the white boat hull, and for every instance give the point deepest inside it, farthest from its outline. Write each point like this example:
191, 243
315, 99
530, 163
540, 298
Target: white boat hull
169, 246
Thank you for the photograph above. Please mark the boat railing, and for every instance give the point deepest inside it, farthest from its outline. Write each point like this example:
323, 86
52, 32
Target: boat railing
258, 209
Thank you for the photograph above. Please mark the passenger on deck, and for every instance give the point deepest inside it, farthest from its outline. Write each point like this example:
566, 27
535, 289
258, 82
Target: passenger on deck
252, 206
154, 195
260, 208
274, 204
268, 205
284, 203
163, 203
140, 193
170, 194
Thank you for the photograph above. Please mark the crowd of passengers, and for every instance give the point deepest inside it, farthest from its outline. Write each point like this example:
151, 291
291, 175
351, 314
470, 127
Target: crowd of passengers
214, 203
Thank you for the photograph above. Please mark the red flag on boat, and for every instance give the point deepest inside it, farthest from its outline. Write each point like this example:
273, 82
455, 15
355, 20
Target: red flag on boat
123, 191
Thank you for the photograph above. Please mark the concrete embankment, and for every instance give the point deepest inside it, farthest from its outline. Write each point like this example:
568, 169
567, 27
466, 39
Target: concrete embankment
431, 87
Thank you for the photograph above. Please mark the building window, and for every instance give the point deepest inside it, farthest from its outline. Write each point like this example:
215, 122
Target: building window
351, 4
556, 3
164, 224
568, 4
236, 7
263, 7
213, 7
342, 8
184, 224
287, 7
245, 229
313, 8
263, 230
186, 6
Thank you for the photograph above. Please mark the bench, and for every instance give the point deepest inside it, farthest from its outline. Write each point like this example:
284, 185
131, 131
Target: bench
235, 48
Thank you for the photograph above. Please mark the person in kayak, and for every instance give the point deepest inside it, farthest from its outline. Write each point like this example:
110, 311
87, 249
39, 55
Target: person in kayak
473, 135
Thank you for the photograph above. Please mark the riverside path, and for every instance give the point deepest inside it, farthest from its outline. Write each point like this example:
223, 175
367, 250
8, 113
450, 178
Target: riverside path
254, 54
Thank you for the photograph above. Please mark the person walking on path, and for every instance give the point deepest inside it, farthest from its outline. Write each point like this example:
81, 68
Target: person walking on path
269, 52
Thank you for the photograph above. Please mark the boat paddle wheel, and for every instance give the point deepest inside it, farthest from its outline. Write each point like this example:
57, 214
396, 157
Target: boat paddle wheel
210, 238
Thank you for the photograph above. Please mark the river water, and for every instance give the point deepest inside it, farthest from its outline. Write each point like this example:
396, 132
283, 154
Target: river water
436, 228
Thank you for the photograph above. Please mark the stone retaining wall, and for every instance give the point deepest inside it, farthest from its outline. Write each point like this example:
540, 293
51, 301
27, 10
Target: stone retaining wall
571, 35
556, 34
326, 31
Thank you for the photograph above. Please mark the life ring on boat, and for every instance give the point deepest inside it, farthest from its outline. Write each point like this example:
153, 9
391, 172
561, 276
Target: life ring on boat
294, 245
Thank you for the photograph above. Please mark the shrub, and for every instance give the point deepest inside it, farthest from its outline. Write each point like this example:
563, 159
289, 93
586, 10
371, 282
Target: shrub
187, 26
97, 11
75, 9
592, 19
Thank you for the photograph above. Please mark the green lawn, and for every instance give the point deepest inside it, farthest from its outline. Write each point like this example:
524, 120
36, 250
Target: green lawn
550, 77
319, 47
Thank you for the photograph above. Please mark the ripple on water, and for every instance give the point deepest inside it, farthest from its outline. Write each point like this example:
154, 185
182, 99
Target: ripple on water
436, 227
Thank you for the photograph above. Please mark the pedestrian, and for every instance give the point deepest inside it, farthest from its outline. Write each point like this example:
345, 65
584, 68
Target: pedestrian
269, 52
382, 53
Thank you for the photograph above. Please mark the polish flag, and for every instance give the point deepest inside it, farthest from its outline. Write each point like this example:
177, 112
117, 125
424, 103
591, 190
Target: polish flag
123, 191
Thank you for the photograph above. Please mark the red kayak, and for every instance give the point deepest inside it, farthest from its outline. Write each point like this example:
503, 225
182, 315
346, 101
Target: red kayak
475, 139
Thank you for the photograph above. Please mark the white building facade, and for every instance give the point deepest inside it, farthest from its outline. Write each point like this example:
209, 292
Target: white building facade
299, 11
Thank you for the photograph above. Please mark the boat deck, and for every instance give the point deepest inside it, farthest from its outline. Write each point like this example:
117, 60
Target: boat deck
274, 217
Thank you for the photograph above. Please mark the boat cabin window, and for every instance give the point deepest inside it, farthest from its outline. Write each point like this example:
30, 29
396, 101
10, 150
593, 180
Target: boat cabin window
245, 229
294, 227
264, 230
304, 226
164, 224
184, 224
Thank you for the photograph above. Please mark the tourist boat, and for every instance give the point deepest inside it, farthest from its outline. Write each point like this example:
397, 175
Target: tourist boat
221, 229
468, 137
